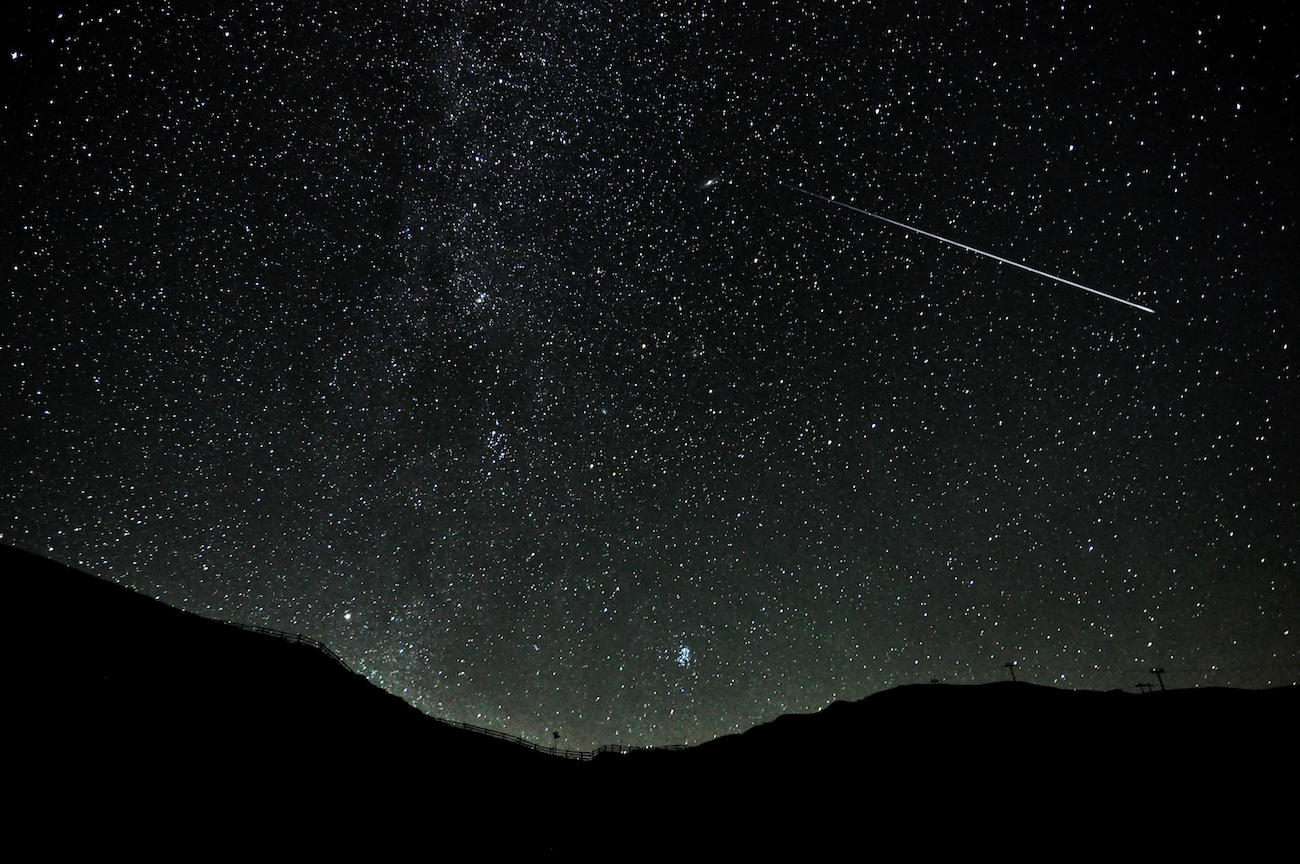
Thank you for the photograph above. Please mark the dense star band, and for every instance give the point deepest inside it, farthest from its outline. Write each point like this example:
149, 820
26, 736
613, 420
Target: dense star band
449, 336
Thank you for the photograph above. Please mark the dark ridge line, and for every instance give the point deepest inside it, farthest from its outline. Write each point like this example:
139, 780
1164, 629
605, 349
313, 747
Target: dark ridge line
578, 755
575, 755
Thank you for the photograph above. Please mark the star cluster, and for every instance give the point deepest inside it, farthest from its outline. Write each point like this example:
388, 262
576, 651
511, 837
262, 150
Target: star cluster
483, 344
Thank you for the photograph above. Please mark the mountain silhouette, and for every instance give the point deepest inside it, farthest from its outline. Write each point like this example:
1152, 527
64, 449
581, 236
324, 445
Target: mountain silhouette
139, 724
147, 722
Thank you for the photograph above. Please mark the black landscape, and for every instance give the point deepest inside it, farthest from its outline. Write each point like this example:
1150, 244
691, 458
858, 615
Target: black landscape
144, 725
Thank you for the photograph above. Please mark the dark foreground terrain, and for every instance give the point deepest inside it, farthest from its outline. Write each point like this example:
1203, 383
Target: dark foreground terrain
138, 726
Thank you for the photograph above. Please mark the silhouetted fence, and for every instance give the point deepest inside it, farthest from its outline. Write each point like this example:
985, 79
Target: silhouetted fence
295, 638
580, 755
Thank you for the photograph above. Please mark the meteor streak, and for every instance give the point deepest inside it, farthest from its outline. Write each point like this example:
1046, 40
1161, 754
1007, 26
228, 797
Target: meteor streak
968, 248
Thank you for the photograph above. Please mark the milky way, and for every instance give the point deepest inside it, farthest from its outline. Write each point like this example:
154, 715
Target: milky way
483, 345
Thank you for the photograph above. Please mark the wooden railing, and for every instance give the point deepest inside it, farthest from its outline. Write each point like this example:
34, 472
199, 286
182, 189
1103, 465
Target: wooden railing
295, 638
580, 755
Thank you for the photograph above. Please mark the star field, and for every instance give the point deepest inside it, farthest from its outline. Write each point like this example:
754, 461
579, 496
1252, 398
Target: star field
484, 345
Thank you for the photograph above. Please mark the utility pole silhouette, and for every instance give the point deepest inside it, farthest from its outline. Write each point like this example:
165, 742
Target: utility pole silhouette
555, 740
1144, 686
1012, 667
1159, 671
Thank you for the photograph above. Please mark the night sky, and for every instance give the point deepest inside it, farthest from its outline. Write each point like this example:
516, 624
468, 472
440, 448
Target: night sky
486, 346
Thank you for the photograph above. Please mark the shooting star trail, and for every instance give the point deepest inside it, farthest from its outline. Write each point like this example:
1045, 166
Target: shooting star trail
969, 248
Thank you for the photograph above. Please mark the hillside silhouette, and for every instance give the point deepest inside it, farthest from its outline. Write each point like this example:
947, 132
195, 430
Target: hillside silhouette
137, 723
144, 721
